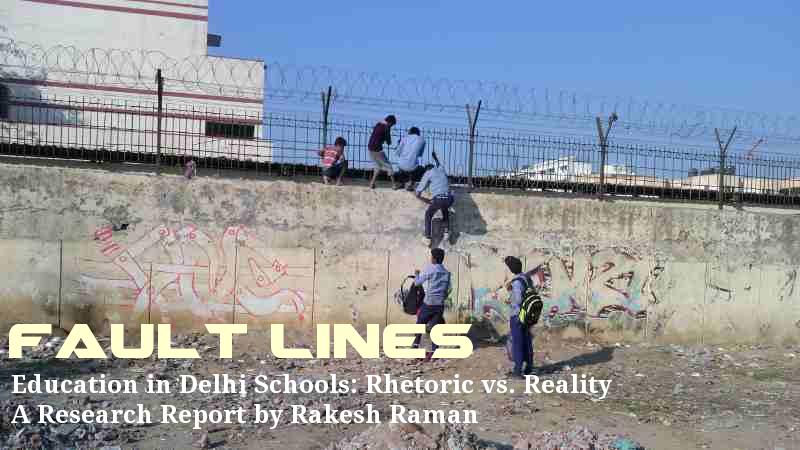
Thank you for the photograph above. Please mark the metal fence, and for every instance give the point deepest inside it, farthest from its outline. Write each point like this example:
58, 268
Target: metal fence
286, 144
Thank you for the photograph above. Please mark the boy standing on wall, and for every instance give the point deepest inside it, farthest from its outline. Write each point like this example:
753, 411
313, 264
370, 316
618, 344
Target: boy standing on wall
521, 338
382, 132
334, 163
437, 278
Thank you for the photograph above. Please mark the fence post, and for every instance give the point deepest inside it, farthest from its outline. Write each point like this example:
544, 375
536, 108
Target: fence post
326, 104
472, 120
60, 276
748, 156
160, 93
723, 150
603, 138
388, 265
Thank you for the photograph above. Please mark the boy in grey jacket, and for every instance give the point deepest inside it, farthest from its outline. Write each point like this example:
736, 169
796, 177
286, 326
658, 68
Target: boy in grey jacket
521, 339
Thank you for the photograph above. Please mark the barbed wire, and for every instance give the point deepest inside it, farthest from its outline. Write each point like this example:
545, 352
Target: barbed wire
135, 68
503, 104
511, 102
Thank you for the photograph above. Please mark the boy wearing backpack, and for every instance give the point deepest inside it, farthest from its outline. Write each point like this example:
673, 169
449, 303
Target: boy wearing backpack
437, 278
522, 293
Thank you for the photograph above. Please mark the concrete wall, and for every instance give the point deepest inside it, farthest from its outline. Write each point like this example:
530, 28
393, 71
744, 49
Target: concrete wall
88, 245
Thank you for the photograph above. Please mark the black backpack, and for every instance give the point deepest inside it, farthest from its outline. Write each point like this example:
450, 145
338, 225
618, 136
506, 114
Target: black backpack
411, 296
531, 307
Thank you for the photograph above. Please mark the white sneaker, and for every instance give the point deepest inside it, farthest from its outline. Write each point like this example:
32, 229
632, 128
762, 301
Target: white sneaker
426, 241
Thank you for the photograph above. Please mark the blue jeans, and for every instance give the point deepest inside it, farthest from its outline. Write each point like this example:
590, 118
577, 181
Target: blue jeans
440, 202
521, 346
430, 316
405, 176
335, 170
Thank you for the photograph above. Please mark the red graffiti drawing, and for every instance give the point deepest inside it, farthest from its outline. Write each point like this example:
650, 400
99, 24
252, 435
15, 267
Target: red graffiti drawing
171, 271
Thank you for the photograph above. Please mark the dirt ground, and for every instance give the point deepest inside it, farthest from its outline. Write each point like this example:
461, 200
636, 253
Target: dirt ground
661, 396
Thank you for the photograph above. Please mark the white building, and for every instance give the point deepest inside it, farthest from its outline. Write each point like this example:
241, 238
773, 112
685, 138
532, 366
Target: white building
83, 72
562, 169
567, 169
615, 170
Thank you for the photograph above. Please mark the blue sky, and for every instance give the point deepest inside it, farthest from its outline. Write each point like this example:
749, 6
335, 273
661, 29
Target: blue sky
737, 54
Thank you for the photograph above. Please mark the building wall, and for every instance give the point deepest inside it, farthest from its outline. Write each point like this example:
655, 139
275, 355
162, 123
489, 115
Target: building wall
175, 27
83, 245
131, 126
91, 65
737, 183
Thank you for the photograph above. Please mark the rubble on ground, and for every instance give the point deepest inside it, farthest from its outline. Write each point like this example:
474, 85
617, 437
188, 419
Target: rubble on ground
69, 435
695, 388
393, 436
578, 438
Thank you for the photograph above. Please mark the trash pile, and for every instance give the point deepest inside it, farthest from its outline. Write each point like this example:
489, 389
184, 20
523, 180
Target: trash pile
697, 388
456, 437
579, 438
35, 435
46, 349
392, 436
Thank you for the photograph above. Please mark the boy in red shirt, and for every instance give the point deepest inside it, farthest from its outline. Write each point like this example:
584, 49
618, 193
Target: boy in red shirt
334, 163
380, 134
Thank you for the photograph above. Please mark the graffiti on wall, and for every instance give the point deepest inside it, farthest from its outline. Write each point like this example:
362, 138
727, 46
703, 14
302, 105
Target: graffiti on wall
169, 271
590, 283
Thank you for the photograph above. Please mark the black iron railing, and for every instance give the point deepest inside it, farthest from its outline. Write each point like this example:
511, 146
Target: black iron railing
286, 144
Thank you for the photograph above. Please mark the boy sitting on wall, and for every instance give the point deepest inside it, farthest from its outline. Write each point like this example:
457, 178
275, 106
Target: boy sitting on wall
333, 161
